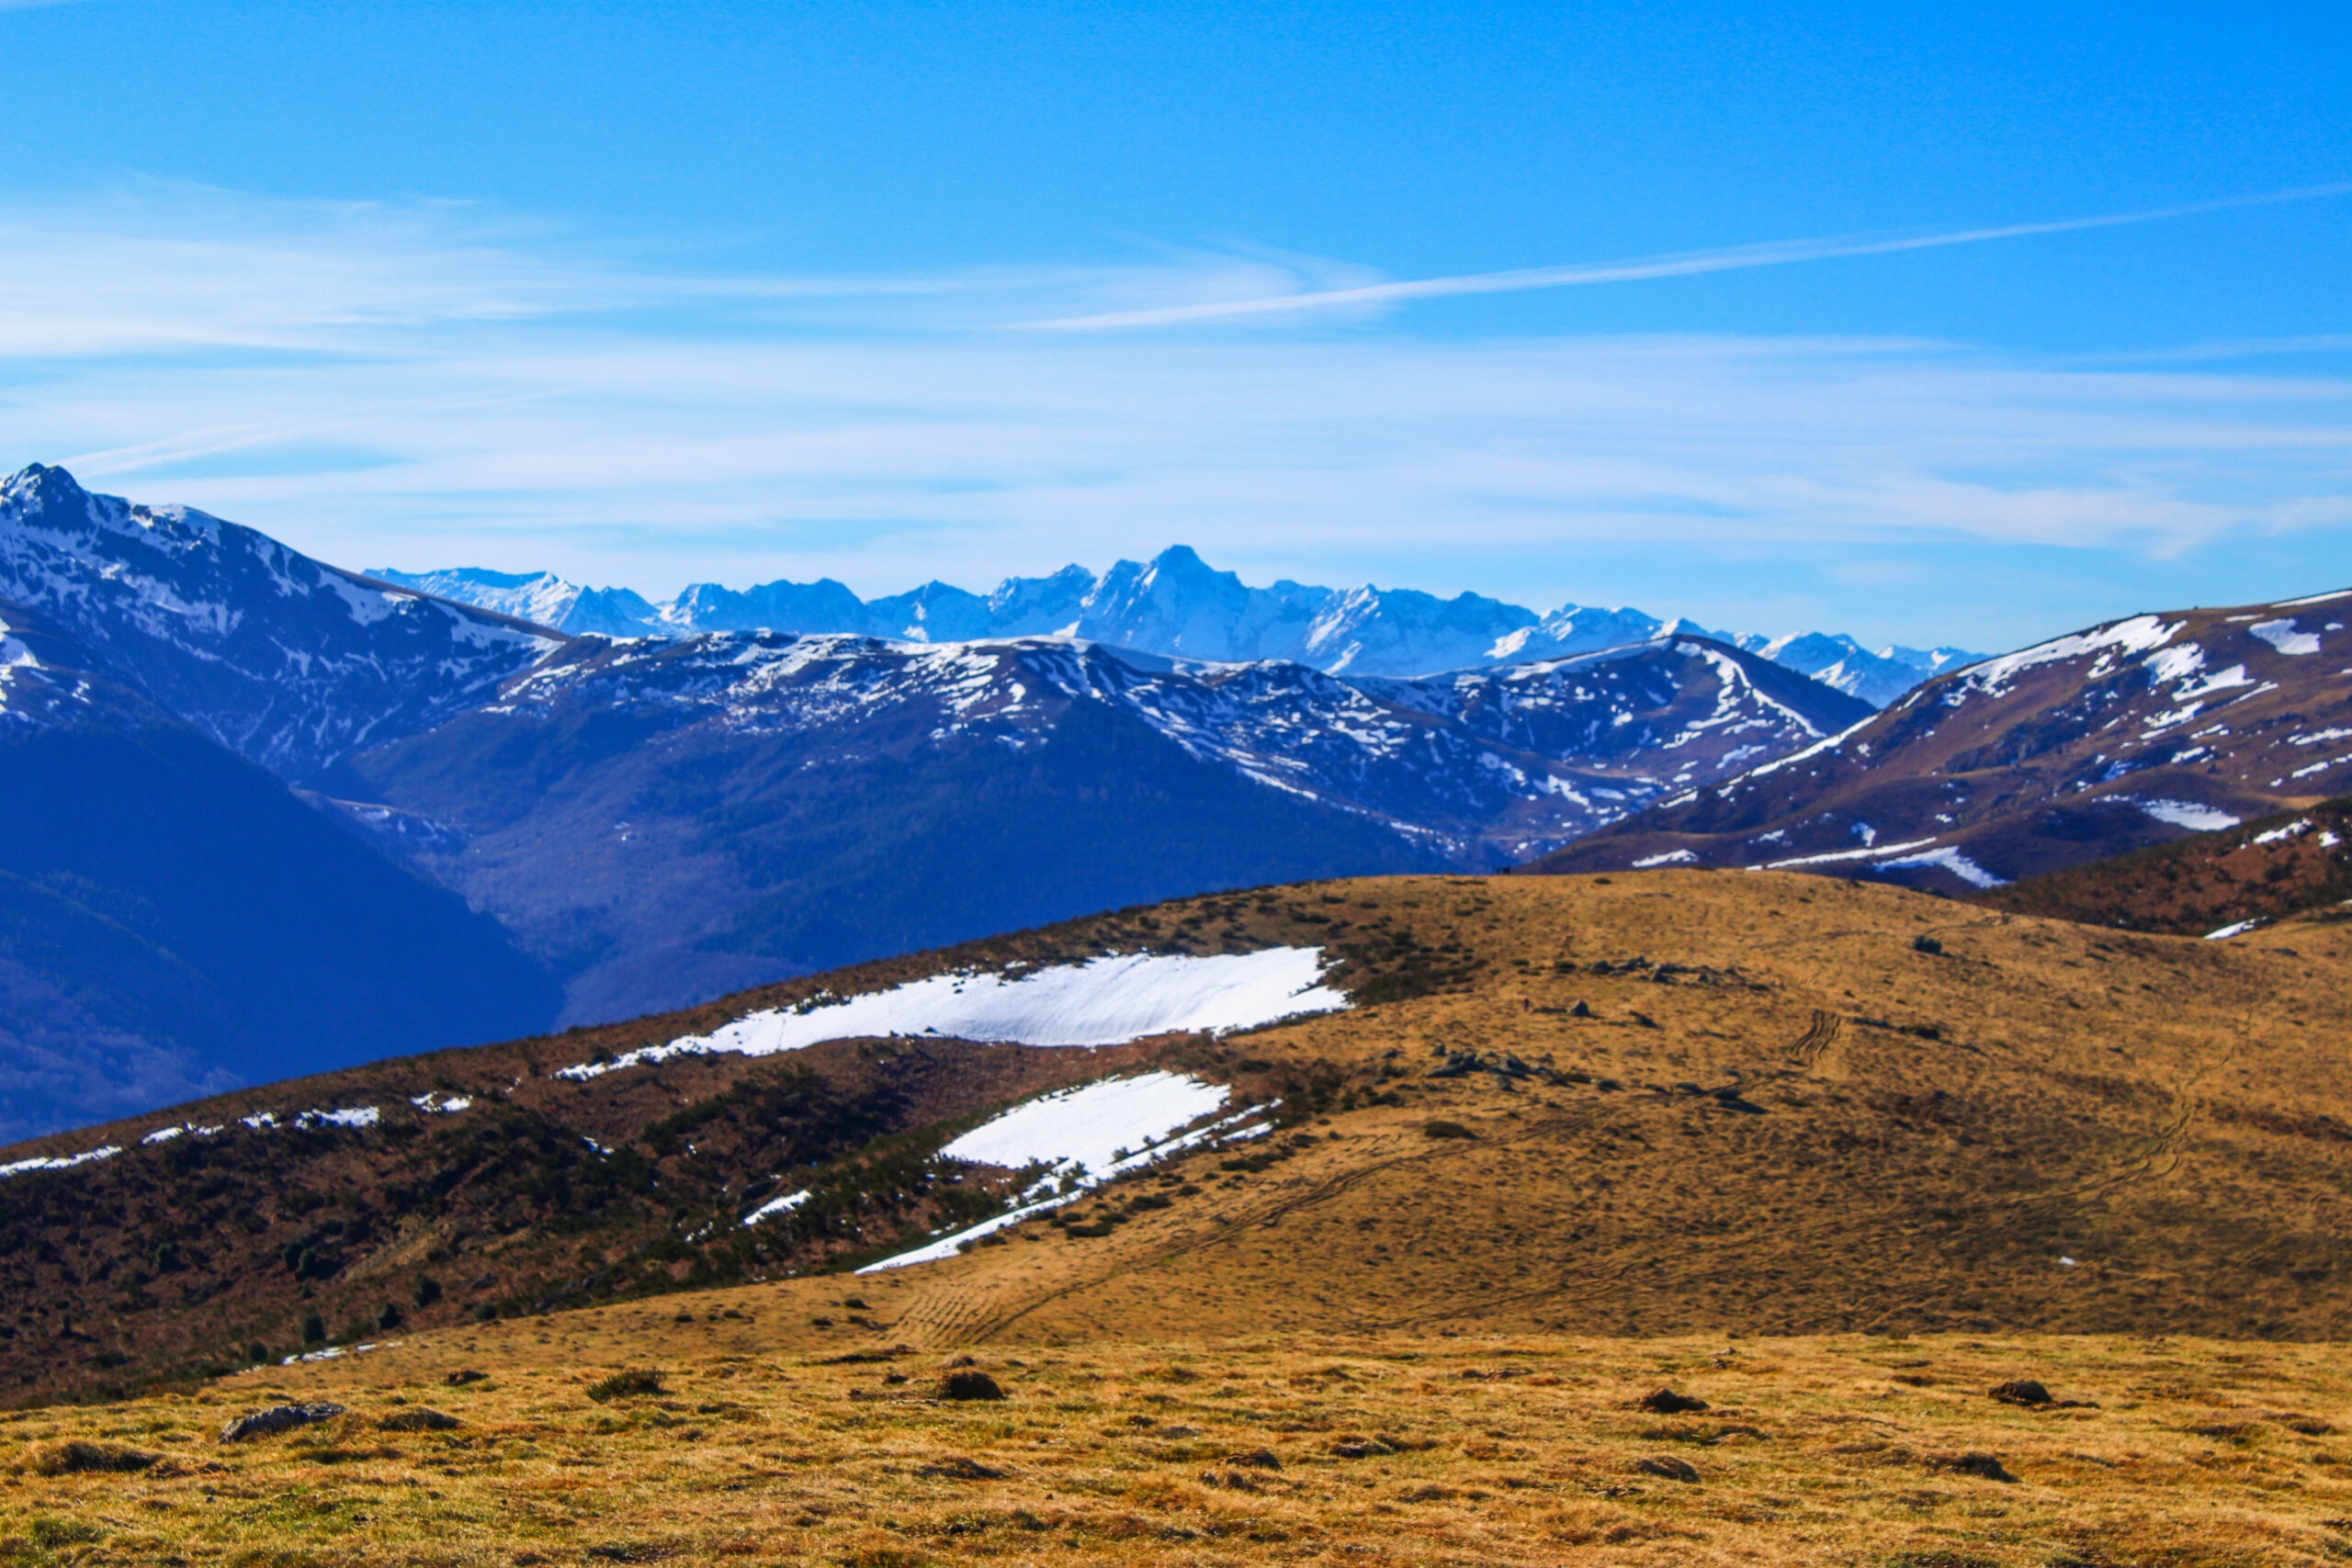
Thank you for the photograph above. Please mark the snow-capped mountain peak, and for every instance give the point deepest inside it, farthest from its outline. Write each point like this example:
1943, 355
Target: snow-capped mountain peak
288, 660
1178, 605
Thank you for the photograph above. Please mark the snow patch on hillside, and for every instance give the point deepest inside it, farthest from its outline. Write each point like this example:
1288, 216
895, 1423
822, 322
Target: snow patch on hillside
1084, 1137
2283, 635
2186, 814
350, 1116
2140, 634
775, 1206
1102, 1001
1093, 1127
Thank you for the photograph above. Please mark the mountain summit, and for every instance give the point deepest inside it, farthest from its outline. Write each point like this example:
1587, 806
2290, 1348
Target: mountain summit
1178, 605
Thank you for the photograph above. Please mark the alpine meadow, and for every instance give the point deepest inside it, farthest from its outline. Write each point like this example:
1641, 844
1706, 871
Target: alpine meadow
890, 785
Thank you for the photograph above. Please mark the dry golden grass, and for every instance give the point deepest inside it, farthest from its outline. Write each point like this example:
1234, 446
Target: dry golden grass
1922, 1157
1848, 1450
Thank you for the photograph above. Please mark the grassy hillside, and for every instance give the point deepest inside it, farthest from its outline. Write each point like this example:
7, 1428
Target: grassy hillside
1675, 1104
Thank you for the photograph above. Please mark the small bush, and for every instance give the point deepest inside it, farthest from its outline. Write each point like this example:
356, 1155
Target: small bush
970, 1385
82, 1456
629, 1384
419, 1418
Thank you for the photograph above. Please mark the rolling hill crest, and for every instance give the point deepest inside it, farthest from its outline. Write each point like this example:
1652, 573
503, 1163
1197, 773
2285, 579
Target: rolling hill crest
1649, 1104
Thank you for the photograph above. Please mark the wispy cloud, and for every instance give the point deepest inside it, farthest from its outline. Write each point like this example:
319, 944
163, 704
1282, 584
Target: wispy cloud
1688, 264
427, 385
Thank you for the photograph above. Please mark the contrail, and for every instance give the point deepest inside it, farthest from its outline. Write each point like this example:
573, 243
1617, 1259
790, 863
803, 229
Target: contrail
1778, 253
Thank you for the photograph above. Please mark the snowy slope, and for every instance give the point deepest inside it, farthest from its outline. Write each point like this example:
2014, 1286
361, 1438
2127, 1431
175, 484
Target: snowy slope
286, 661
1522, 752
2125, 734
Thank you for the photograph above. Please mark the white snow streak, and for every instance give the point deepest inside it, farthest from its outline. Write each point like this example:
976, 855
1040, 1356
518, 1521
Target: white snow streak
1102, 1001
1952, 861
775, 1206
59, 1162
350, 1116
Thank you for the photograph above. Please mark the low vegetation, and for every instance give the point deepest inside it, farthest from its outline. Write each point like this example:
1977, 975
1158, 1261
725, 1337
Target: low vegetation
1394, 1449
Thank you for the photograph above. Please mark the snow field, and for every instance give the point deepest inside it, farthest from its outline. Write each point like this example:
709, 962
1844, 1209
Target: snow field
1102, 1001
1087, 1136
2283, 635
1093, 1127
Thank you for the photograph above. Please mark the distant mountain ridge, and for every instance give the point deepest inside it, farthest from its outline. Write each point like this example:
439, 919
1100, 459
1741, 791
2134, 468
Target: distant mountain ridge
1178, 606
2131, 733
665, 818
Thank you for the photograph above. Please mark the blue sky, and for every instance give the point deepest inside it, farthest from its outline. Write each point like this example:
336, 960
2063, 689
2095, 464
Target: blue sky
657, 293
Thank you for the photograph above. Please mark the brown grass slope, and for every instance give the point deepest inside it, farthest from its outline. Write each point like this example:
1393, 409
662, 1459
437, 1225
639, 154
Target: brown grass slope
1420, 1452
2291, 863
1673, 1103
2084, 748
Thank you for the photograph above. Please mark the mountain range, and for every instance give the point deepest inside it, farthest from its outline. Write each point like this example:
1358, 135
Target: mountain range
666, 819
647, 822
1178, 606
284, 816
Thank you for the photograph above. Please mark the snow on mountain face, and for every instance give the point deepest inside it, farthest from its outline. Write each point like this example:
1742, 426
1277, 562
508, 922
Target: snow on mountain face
286, 661
2087, 745
1845, 665
1176, 604
665, 818
1518, 758
29, 690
